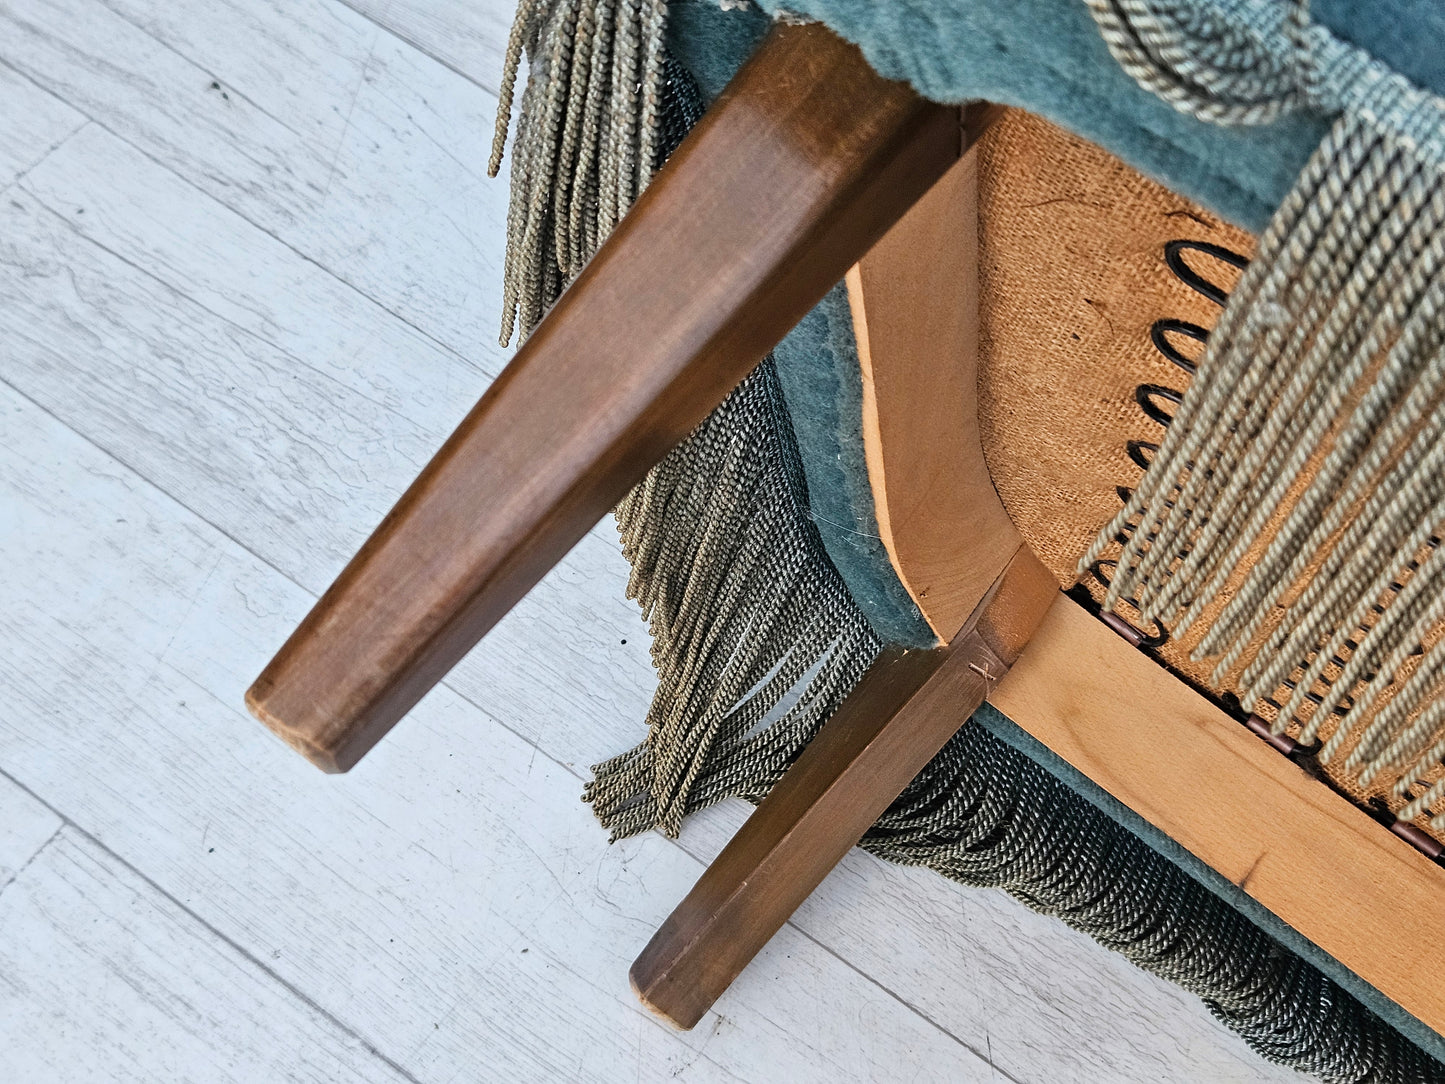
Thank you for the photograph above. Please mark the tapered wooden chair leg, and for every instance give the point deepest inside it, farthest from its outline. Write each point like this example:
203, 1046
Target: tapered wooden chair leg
800, 166
901, 714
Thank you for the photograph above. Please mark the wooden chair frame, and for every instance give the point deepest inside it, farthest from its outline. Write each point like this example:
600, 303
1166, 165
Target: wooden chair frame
810, 165
1168, 753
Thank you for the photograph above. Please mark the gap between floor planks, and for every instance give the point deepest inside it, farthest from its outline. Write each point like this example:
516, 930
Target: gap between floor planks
43, 993
471, 863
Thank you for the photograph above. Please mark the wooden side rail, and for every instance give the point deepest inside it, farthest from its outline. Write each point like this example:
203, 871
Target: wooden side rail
801, 165
914, 299
1368, 899
901, 714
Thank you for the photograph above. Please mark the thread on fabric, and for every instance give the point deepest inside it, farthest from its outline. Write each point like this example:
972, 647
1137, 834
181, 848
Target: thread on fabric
1234, 79
1290, 520
754, 638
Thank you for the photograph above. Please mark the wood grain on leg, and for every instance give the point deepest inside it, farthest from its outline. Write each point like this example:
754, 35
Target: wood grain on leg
901, 714
801, 165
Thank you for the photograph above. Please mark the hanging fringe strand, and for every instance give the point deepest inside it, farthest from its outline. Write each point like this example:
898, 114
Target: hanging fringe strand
587, 138
755, 638
1290, 521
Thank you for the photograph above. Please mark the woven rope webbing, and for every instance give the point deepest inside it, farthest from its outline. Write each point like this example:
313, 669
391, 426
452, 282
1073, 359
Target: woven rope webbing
1290, 521
756, 641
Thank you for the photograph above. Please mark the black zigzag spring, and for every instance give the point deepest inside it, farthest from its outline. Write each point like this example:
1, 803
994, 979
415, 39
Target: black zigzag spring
1158, 402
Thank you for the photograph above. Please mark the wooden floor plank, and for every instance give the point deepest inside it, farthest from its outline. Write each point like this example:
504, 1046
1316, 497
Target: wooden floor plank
112, 981
281, 456
311, 121
239, 409
449, 901
26, 824
32, 124
469, 37
115, 196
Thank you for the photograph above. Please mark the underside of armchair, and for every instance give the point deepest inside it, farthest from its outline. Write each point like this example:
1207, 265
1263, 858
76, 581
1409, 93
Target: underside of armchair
753, 548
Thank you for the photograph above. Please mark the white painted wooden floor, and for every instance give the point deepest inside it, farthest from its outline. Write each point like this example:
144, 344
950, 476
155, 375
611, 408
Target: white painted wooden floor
249, 279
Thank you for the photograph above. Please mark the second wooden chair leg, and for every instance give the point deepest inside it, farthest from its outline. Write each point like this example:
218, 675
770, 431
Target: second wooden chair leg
902, 713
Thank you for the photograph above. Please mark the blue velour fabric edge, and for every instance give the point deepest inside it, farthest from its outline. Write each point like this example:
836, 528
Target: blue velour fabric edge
822, 383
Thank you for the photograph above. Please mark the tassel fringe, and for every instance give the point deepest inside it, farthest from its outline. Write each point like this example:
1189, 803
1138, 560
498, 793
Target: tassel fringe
587, 138
755, 638
1291, 520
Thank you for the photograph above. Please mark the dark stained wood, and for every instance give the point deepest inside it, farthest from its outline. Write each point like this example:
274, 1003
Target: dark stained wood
901, 714
795, 172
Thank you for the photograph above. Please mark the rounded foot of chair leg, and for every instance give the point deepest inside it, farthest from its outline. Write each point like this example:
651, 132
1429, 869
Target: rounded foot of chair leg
684, 1018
